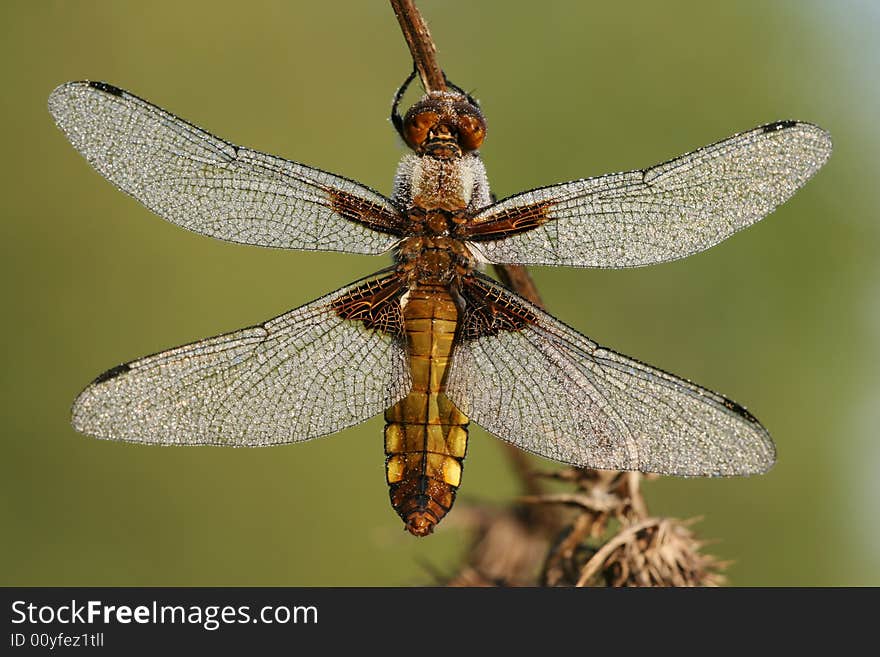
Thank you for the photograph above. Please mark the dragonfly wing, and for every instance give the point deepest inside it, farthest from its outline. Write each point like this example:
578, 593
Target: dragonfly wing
540, 385
654, 215
320, 368
215, 188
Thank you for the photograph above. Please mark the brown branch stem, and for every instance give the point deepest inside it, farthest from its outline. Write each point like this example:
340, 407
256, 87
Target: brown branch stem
593, 504
421, 44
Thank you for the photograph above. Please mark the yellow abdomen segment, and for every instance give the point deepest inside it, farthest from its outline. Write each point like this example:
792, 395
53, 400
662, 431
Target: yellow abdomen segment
425, 434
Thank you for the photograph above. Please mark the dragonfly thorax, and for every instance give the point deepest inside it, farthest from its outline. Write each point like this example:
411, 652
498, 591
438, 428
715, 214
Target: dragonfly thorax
435, 223
434, 260
437, 194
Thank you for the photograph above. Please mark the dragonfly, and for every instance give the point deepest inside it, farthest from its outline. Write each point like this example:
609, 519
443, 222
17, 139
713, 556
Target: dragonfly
431, 340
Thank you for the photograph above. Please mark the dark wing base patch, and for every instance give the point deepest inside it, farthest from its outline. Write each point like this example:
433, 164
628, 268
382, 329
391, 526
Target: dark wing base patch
507, 222
489, 312
376, 303
365, 212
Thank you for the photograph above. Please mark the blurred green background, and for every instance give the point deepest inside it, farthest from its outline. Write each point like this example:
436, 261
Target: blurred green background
783, 317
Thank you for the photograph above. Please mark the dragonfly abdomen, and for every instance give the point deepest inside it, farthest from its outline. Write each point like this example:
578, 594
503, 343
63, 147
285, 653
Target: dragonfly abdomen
425, 434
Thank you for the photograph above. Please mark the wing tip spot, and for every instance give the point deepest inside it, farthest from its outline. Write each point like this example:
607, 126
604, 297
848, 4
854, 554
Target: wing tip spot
779, 125
112, 373
784, 124
106, 88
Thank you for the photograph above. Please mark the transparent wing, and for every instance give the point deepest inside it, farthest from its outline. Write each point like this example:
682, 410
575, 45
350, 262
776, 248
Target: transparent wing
301, 375
654, 215
540, 385
212, 187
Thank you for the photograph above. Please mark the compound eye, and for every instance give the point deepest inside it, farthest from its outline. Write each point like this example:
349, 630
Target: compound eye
417, 125
471, 132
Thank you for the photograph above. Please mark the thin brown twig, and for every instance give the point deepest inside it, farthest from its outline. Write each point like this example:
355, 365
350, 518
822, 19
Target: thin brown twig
634, 490
558, 561
421, 45
518, 278
594, 503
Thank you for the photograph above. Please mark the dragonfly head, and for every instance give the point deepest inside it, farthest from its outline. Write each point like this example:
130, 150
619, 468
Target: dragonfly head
444, 124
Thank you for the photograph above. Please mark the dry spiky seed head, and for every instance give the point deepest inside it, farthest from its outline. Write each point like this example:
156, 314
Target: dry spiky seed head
655, 552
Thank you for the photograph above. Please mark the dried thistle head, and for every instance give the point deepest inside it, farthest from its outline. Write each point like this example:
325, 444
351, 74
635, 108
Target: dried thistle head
653, 552
597, 533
